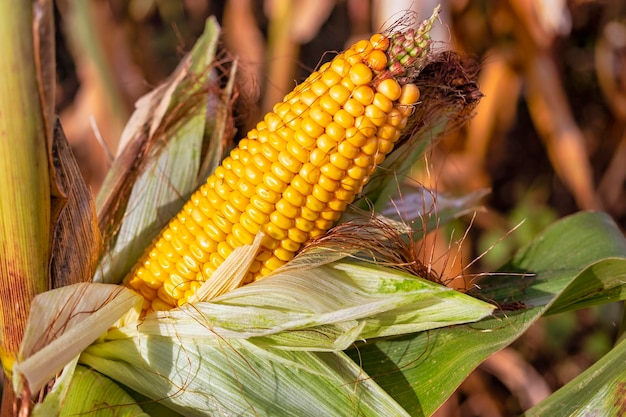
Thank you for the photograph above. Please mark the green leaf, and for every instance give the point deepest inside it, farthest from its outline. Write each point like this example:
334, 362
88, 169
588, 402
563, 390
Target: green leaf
598, 391
85, 392
580, 256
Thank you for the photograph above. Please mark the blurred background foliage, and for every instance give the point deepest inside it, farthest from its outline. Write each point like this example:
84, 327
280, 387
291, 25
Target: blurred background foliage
548, 138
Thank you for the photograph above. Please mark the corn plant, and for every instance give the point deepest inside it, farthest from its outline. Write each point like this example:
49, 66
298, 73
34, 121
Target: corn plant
344, 321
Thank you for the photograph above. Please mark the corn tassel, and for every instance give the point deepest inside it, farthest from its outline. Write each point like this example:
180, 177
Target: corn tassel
294, 174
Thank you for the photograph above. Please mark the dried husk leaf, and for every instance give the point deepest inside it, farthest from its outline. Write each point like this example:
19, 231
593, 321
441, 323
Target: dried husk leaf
160, 163
63, 322
76, 238
230, 274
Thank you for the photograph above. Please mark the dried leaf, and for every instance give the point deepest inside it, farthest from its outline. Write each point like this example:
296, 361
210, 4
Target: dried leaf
63, 322
45, 65
76, 237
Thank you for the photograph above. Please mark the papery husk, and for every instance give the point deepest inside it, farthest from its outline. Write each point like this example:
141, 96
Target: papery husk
63, 322
163, 155
274, 347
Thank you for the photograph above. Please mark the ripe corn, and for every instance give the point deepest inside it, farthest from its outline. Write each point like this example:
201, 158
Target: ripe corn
292, 176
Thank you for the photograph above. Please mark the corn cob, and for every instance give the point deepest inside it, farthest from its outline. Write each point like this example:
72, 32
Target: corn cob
294, 173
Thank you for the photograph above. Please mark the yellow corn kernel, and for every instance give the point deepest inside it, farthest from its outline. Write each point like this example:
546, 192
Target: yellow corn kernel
308, 97
287, 249
340, 161
319, 156
319, 88
354, 107
262, 204
329, 104
365, 125
325, 144
274, 183
287, 162
391, 89
383, 103
363, 94
298, 152
385, 146
379, 41
363, 46
287, 209
409, 95
284, 255
311, 127
306, 216
320, 116
293, 196
347, 83
355, 137
242, 234
333, 172
340, 66
335, 131
343, 119
276, 232
313, 204
376, 115
328, 184
331, 78
339, 93
348, 150
310, 173
321, 194
304, 224
360, 74
376, 60
297, 235
300, 184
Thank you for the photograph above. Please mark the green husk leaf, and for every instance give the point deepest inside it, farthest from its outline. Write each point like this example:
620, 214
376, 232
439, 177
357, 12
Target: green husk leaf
598, 391
88, 393
578, 250
63, 322
259, 347
323, 308
53, 403
170, 170
239, 378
